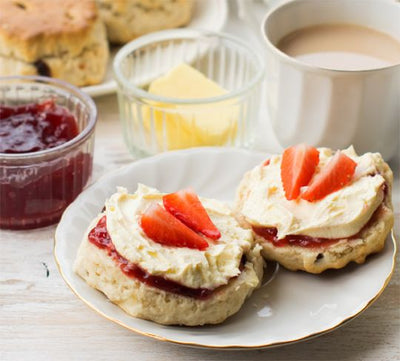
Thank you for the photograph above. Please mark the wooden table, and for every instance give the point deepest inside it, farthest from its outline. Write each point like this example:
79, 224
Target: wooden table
41, 319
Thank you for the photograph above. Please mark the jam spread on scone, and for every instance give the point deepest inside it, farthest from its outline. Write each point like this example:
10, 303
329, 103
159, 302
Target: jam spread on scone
298, 170
170, 258
313, 209
270, 234
319, 195
176, 223
164, 226
100, 237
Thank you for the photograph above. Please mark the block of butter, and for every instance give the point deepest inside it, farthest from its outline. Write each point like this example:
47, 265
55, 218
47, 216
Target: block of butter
179, 125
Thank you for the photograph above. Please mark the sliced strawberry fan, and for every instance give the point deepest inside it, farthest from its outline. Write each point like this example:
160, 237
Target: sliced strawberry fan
185, 205
162, 227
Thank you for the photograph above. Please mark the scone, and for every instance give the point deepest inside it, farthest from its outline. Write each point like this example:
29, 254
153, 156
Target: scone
316, 209
127, 19
62, 39
196, 272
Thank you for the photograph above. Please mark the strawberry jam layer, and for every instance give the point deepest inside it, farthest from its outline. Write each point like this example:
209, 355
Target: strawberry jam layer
270, 234
100, 237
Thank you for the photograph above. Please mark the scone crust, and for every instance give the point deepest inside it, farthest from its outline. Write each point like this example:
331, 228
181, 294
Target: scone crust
127, 19
68, 37
139, 300
371, 239
40, 28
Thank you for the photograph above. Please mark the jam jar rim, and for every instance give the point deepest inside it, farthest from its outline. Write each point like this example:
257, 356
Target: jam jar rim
72, 143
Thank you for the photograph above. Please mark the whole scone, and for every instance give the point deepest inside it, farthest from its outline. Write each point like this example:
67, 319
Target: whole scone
346, 225
62, 39
127, 19
165, 283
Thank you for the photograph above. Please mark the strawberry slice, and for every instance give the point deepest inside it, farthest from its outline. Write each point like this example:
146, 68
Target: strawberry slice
186, 206
297, 168
162, 227
266, 162
333, 176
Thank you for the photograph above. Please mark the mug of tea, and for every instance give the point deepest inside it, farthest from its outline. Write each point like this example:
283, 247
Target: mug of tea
333, 73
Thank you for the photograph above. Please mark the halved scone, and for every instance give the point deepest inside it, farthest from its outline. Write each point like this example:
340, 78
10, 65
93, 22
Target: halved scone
310, 234
168, 284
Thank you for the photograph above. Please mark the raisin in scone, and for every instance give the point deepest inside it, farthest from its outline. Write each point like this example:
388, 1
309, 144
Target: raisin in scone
315, 209
127, 19
62, 39
172, 259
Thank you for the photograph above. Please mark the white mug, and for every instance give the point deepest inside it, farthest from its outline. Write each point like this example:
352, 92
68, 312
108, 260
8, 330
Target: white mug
333, 108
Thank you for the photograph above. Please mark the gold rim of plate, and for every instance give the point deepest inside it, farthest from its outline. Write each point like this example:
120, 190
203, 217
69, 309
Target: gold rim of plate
267, 345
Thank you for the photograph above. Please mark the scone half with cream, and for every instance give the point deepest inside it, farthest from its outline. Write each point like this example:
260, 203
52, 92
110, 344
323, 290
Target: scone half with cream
315, 209
170, 258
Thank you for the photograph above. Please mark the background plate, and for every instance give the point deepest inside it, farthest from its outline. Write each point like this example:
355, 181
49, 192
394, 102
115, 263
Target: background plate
207, 15
294, 306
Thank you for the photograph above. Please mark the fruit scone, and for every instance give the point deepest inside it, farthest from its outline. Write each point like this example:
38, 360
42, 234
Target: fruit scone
60, 39
126, 20
170, 258
313, 209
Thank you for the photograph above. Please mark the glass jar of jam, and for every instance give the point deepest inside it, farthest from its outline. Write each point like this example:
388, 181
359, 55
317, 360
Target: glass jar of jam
46, 149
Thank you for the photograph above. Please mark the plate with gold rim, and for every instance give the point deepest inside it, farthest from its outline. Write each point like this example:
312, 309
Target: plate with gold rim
293, 307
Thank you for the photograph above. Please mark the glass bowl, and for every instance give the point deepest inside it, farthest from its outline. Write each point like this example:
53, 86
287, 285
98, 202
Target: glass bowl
152, 123
36, 187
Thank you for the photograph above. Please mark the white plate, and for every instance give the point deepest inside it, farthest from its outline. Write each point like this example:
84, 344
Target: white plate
207, 15
293, 307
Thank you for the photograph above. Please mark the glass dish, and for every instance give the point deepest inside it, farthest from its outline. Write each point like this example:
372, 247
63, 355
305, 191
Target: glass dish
36, 187
153, 123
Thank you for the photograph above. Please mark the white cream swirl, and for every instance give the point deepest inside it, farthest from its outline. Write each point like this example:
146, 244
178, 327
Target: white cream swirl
190, 267
340, 214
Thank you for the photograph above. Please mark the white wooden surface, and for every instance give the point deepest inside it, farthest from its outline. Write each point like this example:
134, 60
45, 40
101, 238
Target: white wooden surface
41, 319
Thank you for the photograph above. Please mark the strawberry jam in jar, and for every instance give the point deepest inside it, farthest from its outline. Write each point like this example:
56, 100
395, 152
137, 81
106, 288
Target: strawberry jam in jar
46, 149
